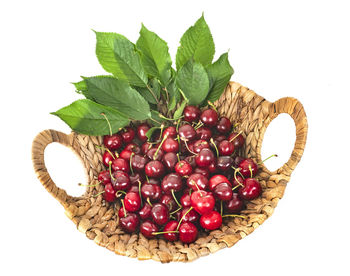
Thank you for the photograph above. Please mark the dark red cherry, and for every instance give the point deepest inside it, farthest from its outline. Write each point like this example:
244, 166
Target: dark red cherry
191, 216
154, 181
238, 160
154, 169
211, 220
183, 168
209, 117
188, 232
170, 145
251, 190
125, 154
147, 228
132, 202
236, 139
169, 201
122, 212
121, 182
237, 181
109, 193
170, 160
224, 163
187, 132
117, 174
199, 145
212, 168
138, 162
141, 132
130, 223
202, 201
191, 160
226, 148
224, 125
107, 157
223, 191
248, 165
146, 147
204, 133
113, 142
204, 158
160, 213
133, 148
145, 211
170, 132
135, 178
120, 164
197, 181
128, 134
170, 182
235, 205
104, 177
134, 189
185, 200
191, 113
151, 191
151, 154
216, 180
171, 226
202, 171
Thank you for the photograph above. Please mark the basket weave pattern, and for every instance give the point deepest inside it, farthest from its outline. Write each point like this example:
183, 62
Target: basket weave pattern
98, 220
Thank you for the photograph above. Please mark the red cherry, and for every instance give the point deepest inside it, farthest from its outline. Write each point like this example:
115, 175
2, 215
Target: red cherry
224, 163
135, 178
246, 165
183, 168
138, 162
107, 157
171, 226
199, 145
187, 132
226, 148
204, 158
224, 125
170, 132
120, 164
171, 182
113, 142
238, 180
104, 177
216, 180
109, 194
235, 205
191, 216
191, 160
251, 190
133, 148
125, 154
128, 134
141, 132
202, 201
170, 145
147, 228
209, 117
188, 232
151, 191
170, 160
160, 213
121, 182
191, 113
204, 133
151, 154
202, 171
236, 139
134, 189
223, 191
197, 181
185, 200
145, 211
169, 201
132, 202
212, 168
129, 223
122, 212
154, 169
211, 220
146, 147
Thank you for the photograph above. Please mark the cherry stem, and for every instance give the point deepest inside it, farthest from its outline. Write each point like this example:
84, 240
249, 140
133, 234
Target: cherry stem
178, 204
194, 182
235, 216
109, 125
130, 162
161, 130
83, 185
100, 193
235, 187
235, 125
178, 140
110, 170
185, 140
120, 193
178, 157
235, 177
122, 201
216, 148
212, 105
159, 233
107, 149
151, 91
221, 207
273, 155
238, 170
149, 202
178, 209
178, 226
198, 125
160, 145
154, 120
239, 133
251, 171
140, 189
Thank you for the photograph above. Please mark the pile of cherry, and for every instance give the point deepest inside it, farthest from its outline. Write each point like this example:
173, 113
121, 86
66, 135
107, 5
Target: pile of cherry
185, 181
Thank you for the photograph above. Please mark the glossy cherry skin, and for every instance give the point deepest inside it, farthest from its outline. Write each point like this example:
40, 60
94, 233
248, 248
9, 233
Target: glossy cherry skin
204, 158
122, 212
141, 132
160, 213
117, 174
151, 191
237, 181
188, 232
128, 134
170, 145
151, 154
209, 117
147, 228
216, 180
171, 226
204, 133
130, 223
109, 193
104, 177
135, 178
183, 168
197, 181
120, 164
187, 132
185, 200
154, 169
211, 220
202, 201
212, 168
226, 148
170, 132
170, 160
132, 202
251, 190
133, 148
202, 171
169, 201
223, 192
145, 211
224, 125
191, 160
237, 160
121, 182
113, 142
146, 147
107, 157
134, 189
235, 205
191, 216
125, 154
170, 182
224, 163
191, 113
236, 139
138, 163
199, 145
244, 167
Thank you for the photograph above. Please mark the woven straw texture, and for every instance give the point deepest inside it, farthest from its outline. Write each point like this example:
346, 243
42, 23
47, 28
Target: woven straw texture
98, 220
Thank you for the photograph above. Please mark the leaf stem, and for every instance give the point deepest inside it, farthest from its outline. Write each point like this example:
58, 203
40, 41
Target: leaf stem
109, 124
151, 91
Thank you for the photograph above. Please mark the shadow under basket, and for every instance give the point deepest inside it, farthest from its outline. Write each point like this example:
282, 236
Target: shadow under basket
99, 221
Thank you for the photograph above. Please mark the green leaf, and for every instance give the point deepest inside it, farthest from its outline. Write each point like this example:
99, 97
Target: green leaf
174, 95
84, 116
119, 95
155, 56
180, 110
149, 96
157, 121
150, 132
118, 56
193, 80
80, 86
219, 73
197, 43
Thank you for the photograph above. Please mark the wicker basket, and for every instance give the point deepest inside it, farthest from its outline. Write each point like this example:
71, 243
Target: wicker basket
98, 220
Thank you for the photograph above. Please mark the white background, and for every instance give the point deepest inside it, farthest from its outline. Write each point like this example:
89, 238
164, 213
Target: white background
277, 48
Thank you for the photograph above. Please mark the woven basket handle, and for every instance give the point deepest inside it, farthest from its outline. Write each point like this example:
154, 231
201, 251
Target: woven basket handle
40, 142
296, 110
